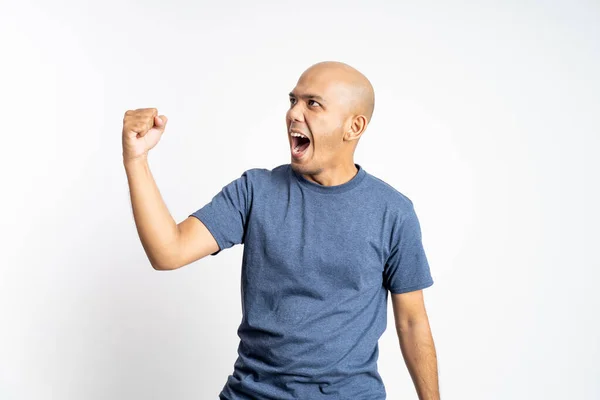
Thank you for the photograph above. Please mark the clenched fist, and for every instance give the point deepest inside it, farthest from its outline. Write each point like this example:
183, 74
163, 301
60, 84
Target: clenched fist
142, 129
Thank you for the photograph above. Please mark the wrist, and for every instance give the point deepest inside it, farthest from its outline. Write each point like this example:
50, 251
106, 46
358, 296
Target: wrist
134, 161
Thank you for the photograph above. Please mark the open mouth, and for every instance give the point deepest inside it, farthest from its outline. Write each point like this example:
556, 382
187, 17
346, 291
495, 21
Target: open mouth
299, 146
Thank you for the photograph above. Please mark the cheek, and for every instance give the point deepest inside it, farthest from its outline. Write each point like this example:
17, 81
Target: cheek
330, 136
326, 132
325, 143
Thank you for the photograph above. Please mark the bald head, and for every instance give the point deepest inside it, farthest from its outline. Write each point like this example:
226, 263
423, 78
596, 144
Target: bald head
331, 106
353, 88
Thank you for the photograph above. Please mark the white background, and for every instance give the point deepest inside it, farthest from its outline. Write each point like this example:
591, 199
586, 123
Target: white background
487, 116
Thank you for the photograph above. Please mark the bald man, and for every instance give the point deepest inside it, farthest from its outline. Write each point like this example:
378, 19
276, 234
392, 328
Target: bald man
324, 243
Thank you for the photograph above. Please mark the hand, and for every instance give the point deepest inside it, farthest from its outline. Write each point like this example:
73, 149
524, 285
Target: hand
142, 129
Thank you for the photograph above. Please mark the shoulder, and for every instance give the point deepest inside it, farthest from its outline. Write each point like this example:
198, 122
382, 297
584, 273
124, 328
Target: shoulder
259, 175
258, 180
391, 197
400, 217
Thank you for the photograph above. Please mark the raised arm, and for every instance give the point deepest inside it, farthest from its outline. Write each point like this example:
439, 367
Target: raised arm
167, 245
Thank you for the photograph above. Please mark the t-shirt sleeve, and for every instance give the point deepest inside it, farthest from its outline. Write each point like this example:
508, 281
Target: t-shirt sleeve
225, 216
407, 268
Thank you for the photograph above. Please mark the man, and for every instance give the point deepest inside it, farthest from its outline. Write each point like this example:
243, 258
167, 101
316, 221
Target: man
324, 242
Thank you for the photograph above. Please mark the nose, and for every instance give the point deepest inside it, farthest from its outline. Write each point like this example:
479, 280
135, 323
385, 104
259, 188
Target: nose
295, 113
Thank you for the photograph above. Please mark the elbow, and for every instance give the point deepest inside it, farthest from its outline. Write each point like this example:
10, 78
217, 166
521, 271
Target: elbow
165, 257
412, 324
158, 267
403, 325
162, 265
163, 261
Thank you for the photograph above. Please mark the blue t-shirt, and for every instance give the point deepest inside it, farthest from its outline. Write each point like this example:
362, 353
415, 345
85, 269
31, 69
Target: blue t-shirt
317, 265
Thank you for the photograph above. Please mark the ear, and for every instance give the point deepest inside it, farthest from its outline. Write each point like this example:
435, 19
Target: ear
356, 127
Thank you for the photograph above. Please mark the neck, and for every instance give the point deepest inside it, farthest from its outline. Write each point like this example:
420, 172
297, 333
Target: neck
335, 175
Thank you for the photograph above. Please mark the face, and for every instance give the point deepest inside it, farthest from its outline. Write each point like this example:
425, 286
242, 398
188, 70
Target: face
317, 112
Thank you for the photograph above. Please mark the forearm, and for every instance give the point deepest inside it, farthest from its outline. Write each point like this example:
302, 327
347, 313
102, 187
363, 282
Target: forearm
418, 349
155, 225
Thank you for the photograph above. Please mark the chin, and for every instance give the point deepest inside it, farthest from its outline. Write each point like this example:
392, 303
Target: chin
295, 165
305, 169
301, 168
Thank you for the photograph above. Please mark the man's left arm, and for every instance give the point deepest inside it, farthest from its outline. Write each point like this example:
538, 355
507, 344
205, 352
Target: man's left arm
416, 343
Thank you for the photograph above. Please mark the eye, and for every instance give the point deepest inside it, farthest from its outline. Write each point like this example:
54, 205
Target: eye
312, 101
292, 100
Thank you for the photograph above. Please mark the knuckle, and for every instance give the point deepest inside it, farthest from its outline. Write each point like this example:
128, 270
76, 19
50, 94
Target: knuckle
140, 119
148, 111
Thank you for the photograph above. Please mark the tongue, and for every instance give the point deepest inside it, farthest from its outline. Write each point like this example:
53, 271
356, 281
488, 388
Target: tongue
302, 147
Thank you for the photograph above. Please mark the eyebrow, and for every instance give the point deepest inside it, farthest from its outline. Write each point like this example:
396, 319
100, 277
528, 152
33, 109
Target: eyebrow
309, 96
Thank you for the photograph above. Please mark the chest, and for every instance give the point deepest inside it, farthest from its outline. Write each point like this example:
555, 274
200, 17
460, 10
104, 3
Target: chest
315, 244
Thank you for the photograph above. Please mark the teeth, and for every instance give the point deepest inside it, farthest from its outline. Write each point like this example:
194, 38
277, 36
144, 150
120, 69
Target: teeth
298, 135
